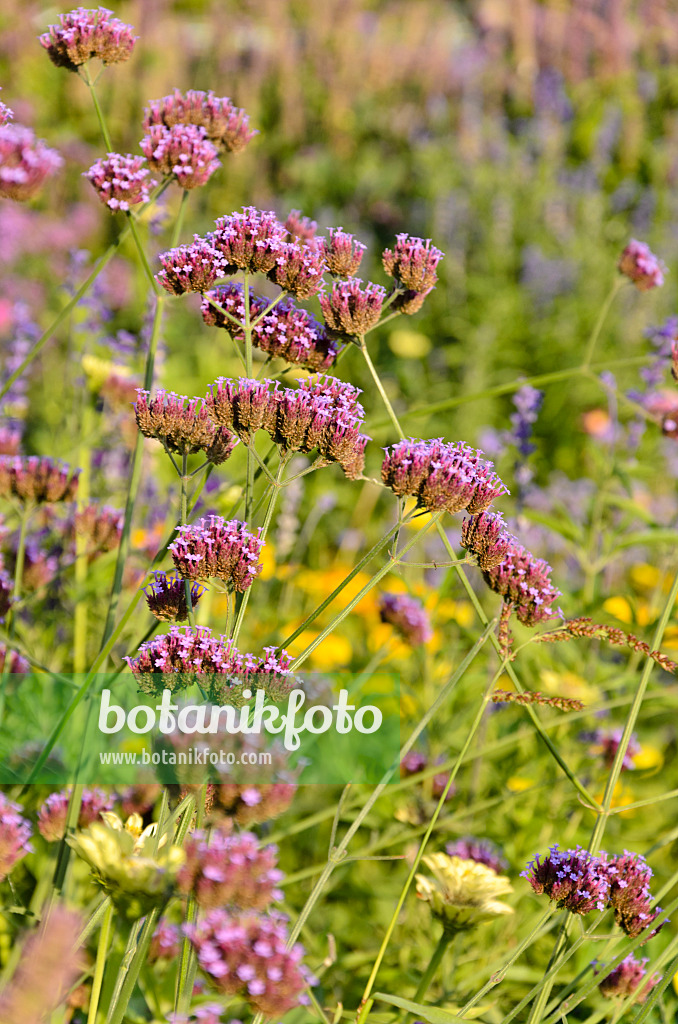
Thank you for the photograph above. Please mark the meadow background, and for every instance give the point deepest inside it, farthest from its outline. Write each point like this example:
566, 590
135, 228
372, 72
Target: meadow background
530, 141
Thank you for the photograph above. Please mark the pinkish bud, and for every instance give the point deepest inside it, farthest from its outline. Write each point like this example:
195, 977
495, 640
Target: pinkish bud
641, 266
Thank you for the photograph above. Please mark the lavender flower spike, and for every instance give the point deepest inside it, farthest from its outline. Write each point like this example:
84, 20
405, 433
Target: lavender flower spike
574, 879
82, 35
120, 181
216, 548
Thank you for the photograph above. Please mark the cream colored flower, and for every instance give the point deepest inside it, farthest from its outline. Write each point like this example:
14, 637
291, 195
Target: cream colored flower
136, 870
462, 893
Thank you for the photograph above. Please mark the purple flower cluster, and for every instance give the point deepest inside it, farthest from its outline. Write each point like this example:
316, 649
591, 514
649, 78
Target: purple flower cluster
350, 309
166, 941
17, 664
208, 1013
53, 813
574, 879
25, 163
183, 653
299, 227
251, 240
227, 126
120, 181
37, 479
230, 869
191, 268
247, 956
524, 583
627, 978
482, 851
579, 881
215, 547
641, 266
605, 744
343, 253
6, 114
166, 597
413, 262
183, 425
15, 834
323, 413
441, 476
101, 526
250, 805
183, 151
299, 268
285, 331
486, 537
82, 35
407, 615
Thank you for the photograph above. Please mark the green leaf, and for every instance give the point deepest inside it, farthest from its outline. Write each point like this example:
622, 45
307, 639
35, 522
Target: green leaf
429, 1014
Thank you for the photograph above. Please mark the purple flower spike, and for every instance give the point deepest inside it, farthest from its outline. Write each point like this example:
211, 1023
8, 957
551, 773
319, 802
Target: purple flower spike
408, 616
251, 240
641, 266
191, 268
25, 163
182, 150
486, 537
216, 548
350, 309
629, 876
229, 868
166, 597
299, 269
227, 126
15, 834
343, 253
413, 263
482, 851
82, 35
628, 977
574, 879
523, 581
120, 181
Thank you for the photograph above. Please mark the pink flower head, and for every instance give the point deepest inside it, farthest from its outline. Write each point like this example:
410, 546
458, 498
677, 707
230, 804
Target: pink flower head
299, 269
285, 331
574, 879
250, 805
243, 405
227, 126
216, 548
408, 616
36, 478
343, 253
230, 869
413, 763
101, 526
183, 425
486, 537
15, 834
52, 815
6, 591
629, 876
182, 150
413, 263
82, 35
482, 851
441, 476
299, 228
247, 956
166, 941
524, 582
5, 114
250, 240
191, 268
25, 163
350, 309
640, 265
628, 977
120, 181
166, 597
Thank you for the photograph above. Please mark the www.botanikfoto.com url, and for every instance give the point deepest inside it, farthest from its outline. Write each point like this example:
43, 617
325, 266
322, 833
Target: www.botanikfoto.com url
192, 756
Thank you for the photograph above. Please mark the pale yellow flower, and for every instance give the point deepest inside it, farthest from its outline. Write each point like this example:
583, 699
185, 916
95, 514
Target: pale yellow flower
462, 893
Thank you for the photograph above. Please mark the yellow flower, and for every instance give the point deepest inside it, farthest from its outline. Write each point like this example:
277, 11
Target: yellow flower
648, 757
128, 862
462, 893
409, 344
97, 371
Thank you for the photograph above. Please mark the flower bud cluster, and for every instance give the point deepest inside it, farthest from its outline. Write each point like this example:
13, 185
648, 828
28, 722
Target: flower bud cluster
627, 978
120, 181
482, 851
641, 266
524, 583
183, 425
82, 35
408, 616
15, 834
166, 597
486, 537
226, 125
343, 253
350, 309
230, 868
215, 547
413, 262
191, 268
25, 163
53, 813
183, 151
36, 478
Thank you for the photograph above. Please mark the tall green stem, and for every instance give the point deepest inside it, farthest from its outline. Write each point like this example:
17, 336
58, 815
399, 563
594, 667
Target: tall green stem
102, 949
380, 386
602, 316
185, 480
81, 544
434, 964
249, 486
121, 999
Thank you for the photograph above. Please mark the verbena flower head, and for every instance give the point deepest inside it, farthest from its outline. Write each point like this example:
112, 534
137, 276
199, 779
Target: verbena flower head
227, 126
166, 597
343, 253
101, 526
191, 268
126, 864
640, 265
629, 877
524, 582
178, 657
462, 893
82, 35
15, 835
166, 941
218, 548
52, 815
250, 240
299, 227
407, 615
182, 150
482, 851
486, 537
441, 476
17, 664
574, 879
413, 262
286, 331
628, 977
230, 869
604, 743
350, 309
409, 302
250, 805
25, 163
246, 956
37, 479
120, 181
182, 424
299, 269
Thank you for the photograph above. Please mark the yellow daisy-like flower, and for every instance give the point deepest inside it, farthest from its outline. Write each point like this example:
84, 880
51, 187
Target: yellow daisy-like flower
462, 893
128, 862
